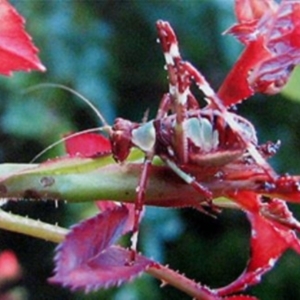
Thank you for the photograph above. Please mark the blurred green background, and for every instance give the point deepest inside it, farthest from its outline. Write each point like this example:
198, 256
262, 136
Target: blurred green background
107, 51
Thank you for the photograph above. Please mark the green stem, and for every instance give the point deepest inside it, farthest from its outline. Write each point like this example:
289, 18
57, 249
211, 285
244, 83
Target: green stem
83, 179
34, 228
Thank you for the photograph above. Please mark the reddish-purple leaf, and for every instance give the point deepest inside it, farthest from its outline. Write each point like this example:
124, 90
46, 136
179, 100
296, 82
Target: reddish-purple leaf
17, 52
105, 205
87, 145
110, 268
87, 260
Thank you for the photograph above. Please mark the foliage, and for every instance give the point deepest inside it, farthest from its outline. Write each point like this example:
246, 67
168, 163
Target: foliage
279, 208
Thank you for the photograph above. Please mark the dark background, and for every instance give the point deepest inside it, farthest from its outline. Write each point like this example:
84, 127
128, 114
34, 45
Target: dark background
107, 51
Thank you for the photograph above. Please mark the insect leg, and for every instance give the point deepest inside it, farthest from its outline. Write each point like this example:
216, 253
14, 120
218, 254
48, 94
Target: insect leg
190, 180
179, 83
139, 203
164, 106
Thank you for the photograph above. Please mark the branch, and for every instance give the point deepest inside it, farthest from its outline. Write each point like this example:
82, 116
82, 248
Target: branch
34, 228
93, 179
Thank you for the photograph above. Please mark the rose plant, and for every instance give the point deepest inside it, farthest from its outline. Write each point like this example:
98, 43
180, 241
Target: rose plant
207, 158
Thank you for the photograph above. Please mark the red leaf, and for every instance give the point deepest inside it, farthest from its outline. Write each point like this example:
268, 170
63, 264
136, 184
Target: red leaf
269, 239
285, 187
272, 49
9, 267
240, 297
236, 87
251, 10
87, 145
87, 260
17, 52
278, 211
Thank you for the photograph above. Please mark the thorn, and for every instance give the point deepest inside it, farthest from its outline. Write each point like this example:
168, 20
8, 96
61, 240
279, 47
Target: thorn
163, 284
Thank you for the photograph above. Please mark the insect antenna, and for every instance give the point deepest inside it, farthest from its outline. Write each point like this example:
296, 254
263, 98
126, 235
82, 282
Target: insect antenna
105, 128
95, 129
145, 116
63, 87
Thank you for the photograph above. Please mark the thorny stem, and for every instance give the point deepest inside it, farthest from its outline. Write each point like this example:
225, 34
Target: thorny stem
56, 234
171, 277
34, 228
